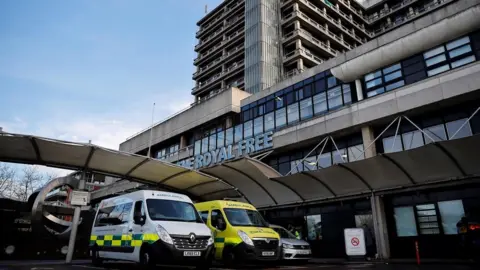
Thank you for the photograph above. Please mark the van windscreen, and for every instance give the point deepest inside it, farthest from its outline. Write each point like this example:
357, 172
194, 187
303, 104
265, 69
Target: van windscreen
168, 210
244, 217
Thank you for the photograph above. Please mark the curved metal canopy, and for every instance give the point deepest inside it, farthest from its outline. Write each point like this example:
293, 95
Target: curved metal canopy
253, 180
432, 163
27, 149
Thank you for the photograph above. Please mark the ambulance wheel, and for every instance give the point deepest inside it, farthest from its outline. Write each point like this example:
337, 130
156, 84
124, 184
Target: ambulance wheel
96, 260
146, 259
228, 257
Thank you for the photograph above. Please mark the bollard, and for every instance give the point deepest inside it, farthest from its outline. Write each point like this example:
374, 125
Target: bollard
417, 251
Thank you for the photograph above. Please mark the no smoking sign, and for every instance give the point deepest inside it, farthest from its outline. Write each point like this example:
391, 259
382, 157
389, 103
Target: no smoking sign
355, 242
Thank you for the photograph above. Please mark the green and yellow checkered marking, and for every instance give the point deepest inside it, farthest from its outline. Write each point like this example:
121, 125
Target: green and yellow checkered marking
123, 240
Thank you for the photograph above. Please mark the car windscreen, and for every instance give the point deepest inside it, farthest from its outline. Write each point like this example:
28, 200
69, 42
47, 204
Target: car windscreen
284, 233
244, 217
168, 210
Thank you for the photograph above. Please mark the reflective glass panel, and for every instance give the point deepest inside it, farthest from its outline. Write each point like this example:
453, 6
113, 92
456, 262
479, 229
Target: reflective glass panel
280, 118
436, 60
463, 61
198, 147
438, 70
434, 52
325, 160
458, 42
392, 144
373, 75
213, 142
320, 103
220, 139
306, 109
391, 68
238, 133
412, 139
292, 113
460, 51
395, 85
347, 95
248, 129
229, 136
375, 92
454, 127
436, 132
258, 125
339, 156
269, 121
405, 221
334, 98
205, 145
374, 83
356, 153
393, 75
310, 164
451, 213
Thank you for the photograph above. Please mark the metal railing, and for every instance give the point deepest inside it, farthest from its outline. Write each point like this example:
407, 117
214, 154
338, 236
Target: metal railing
218, 60
215, 77
304, 52
354, 10
384, 12
307, 35
220, 44
226, 11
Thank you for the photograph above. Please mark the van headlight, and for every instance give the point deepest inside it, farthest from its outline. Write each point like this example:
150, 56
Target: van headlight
287, 246
245, 238
164, 236
210, 240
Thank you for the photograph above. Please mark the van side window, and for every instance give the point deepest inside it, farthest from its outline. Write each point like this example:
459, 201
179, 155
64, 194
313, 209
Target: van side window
113, 215
216, 218
204, 216
139, 210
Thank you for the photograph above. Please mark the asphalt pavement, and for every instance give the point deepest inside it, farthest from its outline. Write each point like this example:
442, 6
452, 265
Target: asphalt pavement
82, 265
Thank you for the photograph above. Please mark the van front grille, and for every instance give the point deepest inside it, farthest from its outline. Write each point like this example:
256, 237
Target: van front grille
268, 243
183, 242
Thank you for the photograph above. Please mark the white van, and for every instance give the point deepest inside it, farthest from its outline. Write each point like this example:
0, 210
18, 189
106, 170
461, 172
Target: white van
151, 227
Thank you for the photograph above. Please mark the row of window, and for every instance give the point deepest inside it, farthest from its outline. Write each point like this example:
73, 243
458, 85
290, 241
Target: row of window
427, 219
415, 138
168, 151
448, 56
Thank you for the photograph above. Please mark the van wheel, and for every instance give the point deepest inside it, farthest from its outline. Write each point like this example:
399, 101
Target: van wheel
228, 257
96, 260
146, 259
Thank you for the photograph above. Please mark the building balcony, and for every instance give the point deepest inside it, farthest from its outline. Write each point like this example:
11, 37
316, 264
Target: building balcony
321, 13
226, 11
315, 26
307, 38
358, 13
202, 58
385, 12
209, 39
420, 11
215, 78
210, 67
302, 53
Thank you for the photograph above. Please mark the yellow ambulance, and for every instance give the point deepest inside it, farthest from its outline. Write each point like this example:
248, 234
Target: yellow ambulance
240, 232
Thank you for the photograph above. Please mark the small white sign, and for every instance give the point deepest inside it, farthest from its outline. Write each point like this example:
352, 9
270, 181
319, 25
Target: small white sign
355, 242
80, 197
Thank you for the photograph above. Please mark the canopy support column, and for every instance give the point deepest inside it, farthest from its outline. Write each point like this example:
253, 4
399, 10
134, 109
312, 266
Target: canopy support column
380, 227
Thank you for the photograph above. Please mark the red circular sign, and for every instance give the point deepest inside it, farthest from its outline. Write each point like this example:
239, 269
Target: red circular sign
355, 241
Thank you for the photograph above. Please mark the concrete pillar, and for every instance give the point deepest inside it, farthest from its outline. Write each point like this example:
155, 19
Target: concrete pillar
358, 86
228, 122
380, 227
183, 141
368, 136
300, 64
326, 27
296, 25
328, 42
298, 44
295, 7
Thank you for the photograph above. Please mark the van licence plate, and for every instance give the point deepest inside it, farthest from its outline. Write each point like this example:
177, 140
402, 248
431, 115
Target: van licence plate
268, 253
192, 253
303, 252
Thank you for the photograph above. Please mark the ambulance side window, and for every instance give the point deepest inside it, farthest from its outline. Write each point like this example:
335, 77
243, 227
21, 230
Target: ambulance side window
217, 220
139, 213
204, 216
113, 215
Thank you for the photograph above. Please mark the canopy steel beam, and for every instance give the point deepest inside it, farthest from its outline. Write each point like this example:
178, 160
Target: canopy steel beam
201, 184
136, 167
321, 182
357, 175
404, 171
90, 154
225, 181
451, 158
36, 149
173, 176
293, 190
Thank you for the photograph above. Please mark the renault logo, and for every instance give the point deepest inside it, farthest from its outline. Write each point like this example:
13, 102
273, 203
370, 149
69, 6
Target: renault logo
267, 240
192, 238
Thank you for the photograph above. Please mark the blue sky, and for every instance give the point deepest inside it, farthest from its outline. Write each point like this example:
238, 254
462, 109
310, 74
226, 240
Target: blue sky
90, 70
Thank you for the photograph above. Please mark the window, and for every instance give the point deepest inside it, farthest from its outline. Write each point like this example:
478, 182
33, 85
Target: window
284, 168
168, 210
292, 113
456, 127
296, 166
279, 102
306, 110
114, 215
452, 55
347, 94
244, 217
269, 121
269, 106
213, 142
248, 129
320, 103
334, 98
331, 82
405, 221
324, 160
427, 219
310, 164
238, 133
339, 156
383, 80
139, 209
412, 139
258, 126
314, 227
220, 139
356, 152
451, 212
229, 136
216, 215
204, 216
280, 118
392, 144
205, 145
435, 132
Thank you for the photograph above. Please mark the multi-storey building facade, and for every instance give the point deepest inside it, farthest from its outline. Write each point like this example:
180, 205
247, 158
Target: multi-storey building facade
379, 134
252, 45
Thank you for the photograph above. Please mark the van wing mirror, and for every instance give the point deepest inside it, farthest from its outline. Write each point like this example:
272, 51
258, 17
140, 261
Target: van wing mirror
139, 219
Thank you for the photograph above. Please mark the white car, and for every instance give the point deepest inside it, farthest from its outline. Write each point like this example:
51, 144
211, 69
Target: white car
150, 227
292, 248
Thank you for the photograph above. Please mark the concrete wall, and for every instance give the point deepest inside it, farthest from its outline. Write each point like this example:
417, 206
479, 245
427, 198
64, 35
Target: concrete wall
375, 44
446, 86
221, 104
